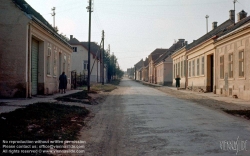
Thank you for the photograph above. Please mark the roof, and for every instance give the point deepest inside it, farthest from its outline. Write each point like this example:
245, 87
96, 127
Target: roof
157, 53
215, 32
145, 63
94, 48
236, 25
37, 17
171, 50
139, 64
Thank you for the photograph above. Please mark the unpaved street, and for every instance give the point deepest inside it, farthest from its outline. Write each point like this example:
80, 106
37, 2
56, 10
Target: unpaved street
139, 120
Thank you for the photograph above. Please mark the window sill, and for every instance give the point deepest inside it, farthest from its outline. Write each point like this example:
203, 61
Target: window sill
230, 79
49, 76
241, 78
54, 76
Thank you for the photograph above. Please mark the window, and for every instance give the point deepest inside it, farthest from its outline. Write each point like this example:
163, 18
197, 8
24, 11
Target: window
85, 65
241, 64
74, 49
184, 66
193, 67
189, 68
222, 67
178, 69
69, 65
202, 65
55, 60
181, 68
174, 71
198, 66
230, 65
48, 59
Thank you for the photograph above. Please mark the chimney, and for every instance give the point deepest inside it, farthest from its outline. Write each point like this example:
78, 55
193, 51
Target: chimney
232, 15
242, 15
214, 25
181, 40
186, 42
71, 37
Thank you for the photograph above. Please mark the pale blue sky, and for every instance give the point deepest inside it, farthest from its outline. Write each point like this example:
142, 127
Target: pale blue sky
134, 28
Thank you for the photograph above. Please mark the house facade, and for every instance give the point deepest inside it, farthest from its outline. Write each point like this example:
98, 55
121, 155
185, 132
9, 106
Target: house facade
151, 64
200, 57
32, 54
145, 70
180, 66
164, 65
138, 70
233, 60
80, 59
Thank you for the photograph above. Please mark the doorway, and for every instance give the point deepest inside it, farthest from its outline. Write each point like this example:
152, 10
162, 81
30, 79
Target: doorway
210, 73
34, 66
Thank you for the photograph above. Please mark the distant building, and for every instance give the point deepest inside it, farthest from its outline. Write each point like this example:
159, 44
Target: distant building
80, 59
164, 65
151, 63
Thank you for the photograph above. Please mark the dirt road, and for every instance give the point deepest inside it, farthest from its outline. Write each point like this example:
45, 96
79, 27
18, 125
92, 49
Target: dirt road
136, 120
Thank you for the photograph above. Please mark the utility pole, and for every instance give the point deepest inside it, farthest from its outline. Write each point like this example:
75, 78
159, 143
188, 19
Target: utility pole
102, 57
207, 21
54, 15
89, 8
234, 9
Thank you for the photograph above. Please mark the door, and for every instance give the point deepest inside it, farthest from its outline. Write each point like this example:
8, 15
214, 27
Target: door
212, 73
34, 66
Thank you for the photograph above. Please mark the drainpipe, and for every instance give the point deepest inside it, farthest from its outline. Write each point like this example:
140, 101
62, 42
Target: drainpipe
29, 64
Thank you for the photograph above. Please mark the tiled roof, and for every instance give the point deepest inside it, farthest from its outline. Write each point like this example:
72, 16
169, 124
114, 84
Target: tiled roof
217, 31
157, 53
171, 50
95, 49
145, 63
139, 64
25, 7
236, 25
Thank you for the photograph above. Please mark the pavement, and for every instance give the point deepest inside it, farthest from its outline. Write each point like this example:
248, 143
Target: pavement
8, 105
207, 95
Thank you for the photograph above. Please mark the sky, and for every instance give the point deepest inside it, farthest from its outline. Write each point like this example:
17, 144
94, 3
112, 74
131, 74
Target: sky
135, 28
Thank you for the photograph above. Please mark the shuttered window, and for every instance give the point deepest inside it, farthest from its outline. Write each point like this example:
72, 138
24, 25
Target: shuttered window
202, 65
241, 64
198, 66
222, 67
230, 65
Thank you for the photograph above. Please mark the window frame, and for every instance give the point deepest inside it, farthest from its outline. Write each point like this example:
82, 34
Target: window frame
230, 65
222, 66
241, 64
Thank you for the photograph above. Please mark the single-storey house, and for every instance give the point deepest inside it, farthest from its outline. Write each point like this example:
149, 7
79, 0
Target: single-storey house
32, 55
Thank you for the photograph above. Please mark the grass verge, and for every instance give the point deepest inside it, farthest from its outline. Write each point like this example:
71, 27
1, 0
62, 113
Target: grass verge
43, 121
106, 87
81, 97
240, 113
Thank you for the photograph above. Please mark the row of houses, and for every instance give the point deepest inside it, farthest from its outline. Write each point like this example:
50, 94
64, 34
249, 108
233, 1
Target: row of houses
33, 54
217, 62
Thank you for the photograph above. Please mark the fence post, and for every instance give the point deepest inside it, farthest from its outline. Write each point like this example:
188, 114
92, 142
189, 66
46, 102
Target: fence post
75, 80
80, 79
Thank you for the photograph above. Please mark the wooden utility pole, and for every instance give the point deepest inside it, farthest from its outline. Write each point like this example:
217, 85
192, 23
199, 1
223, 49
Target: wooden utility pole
53, 14
102, 57
89, 8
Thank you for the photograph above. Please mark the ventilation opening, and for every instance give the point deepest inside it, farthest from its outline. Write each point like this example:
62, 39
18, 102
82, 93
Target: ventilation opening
230, 91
